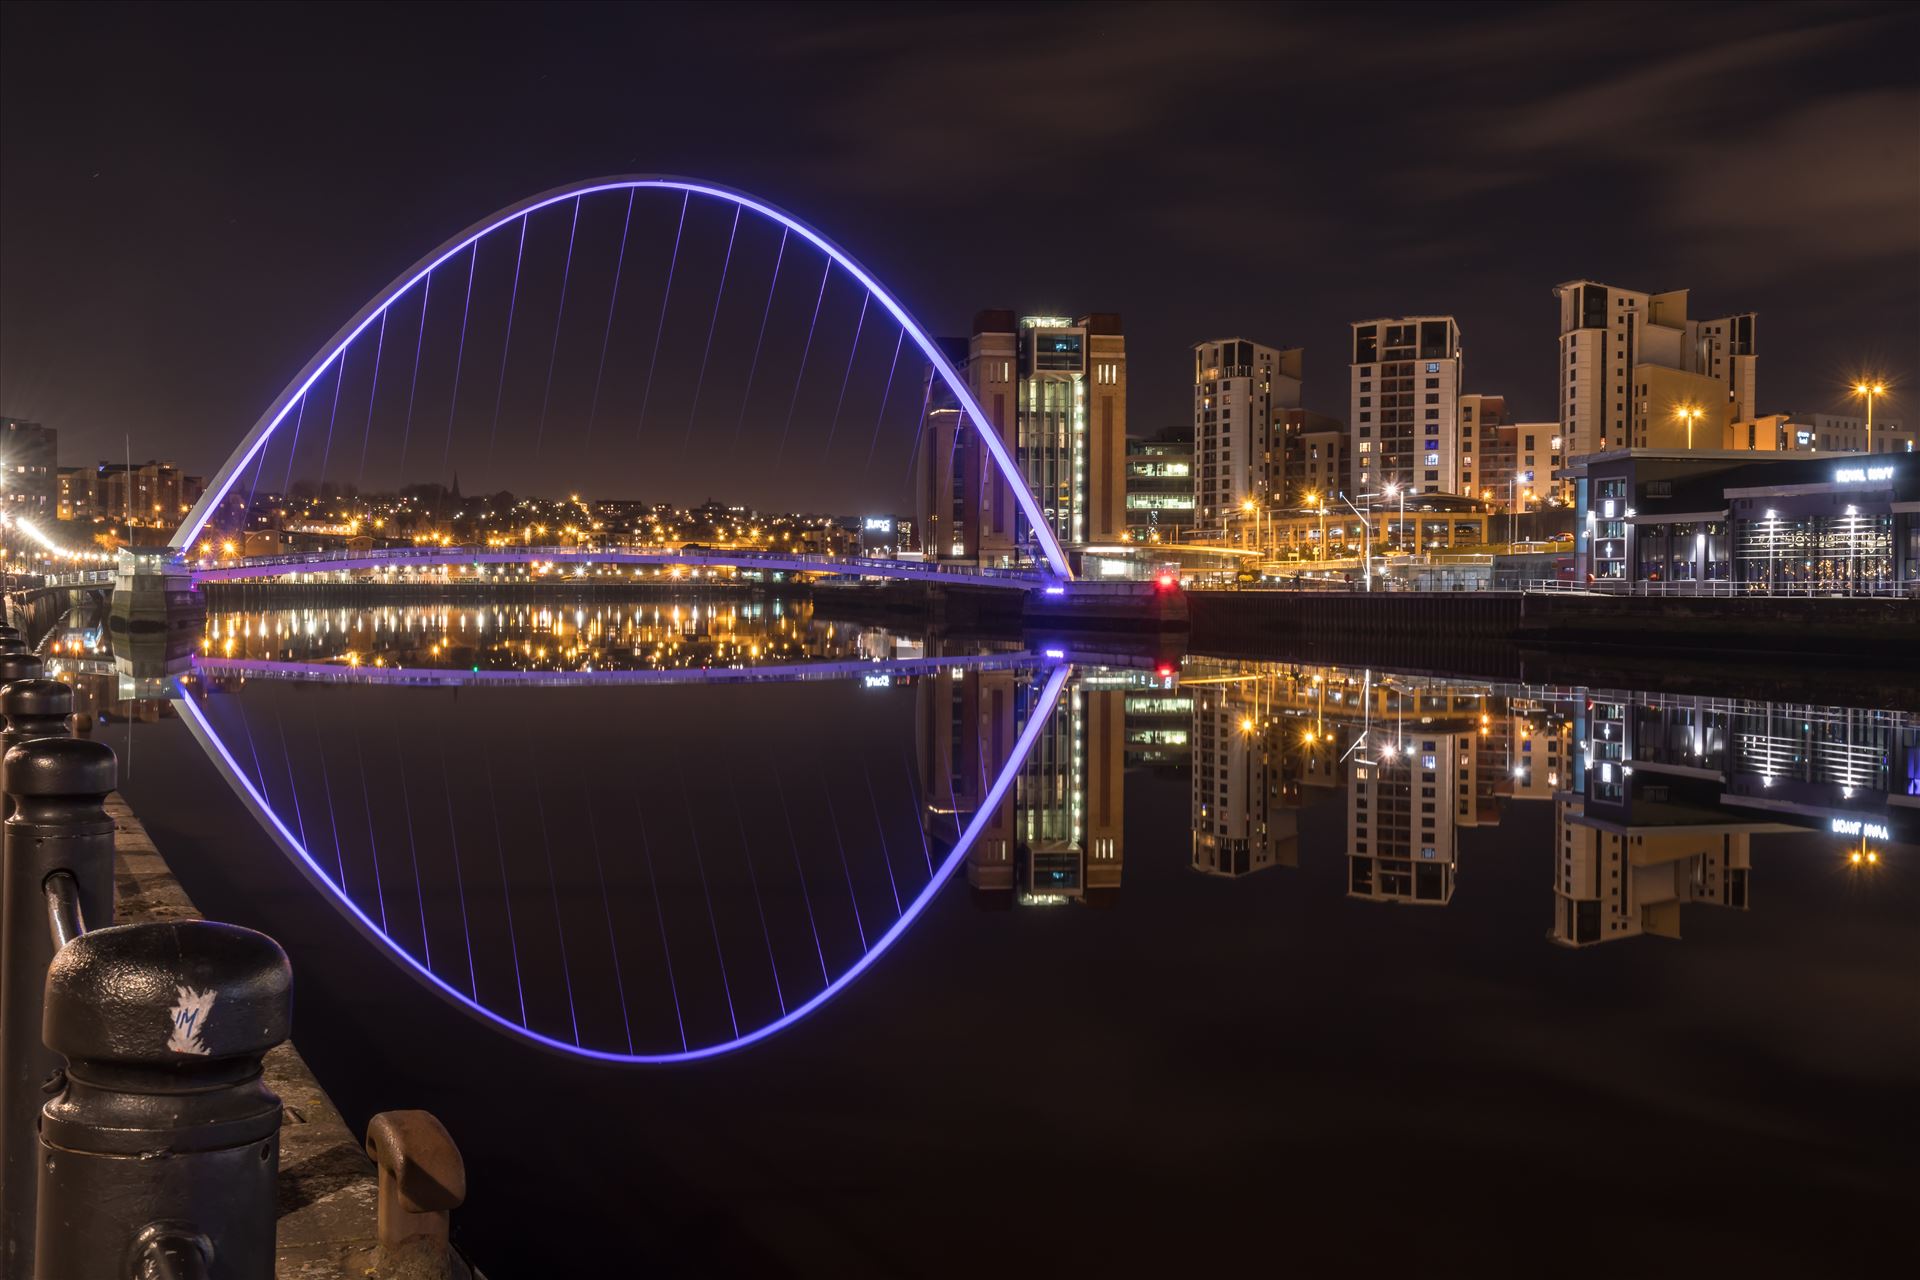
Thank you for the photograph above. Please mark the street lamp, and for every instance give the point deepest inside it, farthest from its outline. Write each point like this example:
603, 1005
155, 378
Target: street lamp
1870, 390
1367, 525
1514, 500
1395, 489
1315, 499
1692, 413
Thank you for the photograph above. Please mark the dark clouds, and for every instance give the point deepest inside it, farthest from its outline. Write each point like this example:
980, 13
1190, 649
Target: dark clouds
191, 200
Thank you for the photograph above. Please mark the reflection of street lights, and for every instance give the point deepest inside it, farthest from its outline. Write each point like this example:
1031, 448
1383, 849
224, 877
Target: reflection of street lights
1869, 390
1690, 414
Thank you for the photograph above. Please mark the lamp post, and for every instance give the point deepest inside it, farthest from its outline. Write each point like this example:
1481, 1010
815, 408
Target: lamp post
1513, 503
1870, 390
1396, 489
1315, 499
1367, 526
1690, 414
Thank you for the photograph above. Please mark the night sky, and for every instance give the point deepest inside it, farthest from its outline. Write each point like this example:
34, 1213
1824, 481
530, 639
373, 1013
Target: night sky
192, 201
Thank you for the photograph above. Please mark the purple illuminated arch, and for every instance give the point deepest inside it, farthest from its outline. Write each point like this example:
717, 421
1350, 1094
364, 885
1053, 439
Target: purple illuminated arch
257, 803
256, 439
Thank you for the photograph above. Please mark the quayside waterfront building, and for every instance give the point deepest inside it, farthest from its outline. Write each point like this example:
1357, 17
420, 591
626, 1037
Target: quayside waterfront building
1054, 389
1847, 523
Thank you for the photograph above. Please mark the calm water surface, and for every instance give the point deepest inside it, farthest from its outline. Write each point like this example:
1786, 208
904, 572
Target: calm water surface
728, 938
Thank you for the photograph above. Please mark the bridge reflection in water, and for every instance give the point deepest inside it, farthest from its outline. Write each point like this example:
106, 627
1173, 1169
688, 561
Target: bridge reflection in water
720, 860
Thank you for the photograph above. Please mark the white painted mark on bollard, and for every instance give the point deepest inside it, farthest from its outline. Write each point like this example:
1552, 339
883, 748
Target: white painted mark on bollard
189, 1020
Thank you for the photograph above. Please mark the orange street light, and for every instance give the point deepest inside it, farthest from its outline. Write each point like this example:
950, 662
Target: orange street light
1690, 414
1870, 390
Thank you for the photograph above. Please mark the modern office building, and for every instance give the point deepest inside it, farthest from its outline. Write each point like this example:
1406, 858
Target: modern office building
1055, 390
29, 460
1160, 489
1240, 389
1782, 521
1404, 405
1634, 368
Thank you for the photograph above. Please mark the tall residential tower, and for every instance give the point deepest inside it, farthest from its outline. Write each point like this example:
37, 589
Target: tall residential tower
1241, 391
1404, 406
1633, 368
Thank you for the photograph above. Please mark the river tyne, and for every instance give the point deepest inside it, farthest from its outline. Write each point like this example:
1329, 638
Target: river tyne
728, 938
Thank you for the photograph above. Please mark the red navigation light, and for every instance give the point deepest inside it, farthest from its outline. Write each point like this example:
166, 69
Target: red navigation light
1166, 669
1166, 582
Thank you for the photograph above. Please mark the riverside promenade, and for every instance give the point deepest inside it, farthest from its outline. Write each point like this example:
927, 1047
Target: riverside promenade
328, 1186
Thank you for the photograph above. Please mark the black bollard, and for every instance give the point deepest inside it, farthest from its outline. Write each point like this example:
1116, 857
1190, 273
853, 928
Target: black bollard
9, 633
57, 787
30, 708
164, 1144
19, 666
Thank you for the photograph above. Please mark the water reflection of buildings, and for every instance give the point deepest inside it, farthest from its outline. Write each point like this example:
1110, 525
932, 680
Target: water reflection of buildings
521, 637
1614, 882
1057, 835
1668, 792
1419, 760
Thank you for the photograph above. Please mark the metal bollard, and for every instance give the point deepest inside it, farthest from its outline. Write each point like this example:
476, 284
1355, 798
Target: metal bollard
31, 708
19, 666
57, 787
10, 633
161, 1155
422, 1180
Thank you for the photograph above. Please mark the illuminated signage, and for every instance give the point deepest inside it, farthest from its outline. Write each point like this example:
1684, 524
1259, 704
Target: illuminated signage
1856, 827
1861, 475
879, 524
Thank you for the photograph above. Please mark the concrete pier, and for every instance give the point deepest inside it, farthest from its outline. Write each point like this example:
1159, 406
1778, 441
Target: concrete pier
154, 595
1156, 605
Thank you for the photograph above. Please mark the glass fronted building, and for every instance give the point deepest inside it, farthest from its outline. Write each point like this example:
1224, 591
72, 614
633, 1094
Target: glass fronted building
1848, 524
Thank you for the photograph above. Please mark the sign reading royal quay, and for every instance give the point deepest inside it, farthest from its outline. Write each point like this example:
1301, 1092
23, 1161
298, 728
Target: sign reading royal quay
1857, 827
1861, 475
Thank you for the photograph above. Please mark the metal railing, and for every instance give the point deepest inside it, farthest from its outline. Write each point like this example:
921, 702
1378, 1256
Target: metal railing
800, 562
1721, 588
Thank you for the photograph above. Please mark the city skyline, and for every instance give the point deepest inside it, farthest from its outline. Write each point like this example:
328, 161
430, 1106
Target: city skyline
1835, 302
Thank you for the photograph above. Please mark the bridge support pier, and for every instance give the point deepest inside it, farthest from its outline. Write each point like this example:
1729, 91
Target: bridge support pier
1156, 605
154, 596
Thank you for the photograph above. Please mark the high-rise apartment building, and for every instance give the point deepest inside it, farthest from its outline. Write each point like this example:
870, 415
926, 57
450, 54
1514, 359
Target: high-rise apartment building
1313, 457
1055, 390
1240, 389
1404, 405
1634, 369
1487, 448
28, 469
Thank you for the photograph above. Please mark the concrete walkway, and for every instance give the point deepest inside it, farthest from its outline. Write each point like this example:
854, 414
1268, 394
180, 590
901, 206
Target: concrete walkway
327, 1183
